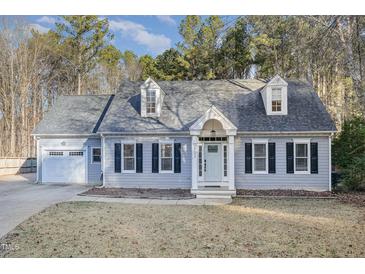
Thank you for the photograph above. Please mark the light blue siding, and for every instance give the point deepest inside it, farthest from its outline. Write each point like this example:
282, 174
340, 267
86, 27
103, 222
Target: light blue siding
93, 170
147, 179
282, 180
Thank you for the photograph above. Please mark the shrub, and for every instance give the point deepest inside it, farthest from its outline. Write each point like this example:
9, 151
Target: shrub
354, 175
349, 153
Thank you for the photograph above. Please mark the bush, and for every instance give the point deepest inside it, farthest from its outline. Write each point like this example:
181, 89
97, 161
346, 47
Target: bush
354, 175
349, 153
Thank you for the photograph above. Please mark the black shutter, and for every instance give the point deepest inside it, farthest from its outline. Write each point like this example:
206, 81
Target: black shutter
314, 158
155, 158
289, 157
248, 158
272, 161
139, 158
177, 158
117, 158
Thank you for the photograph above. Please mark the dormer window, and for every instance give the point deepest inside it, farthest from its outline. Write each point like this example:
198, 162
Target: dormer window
151, 101
275, 96
276, 100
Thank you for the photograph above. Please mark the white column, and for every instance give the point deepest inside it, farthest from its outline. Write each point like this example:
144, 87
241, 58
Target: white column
231, 162
194, 162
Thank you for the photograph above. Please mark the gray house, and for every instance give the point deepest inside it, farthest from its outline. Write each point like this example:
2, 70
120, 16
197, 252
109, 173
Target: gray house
212, 137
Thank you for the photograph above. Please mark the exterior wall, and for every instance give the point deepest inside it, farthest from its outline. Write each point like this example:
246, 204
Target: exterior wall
93, 169
147, 179
282, 180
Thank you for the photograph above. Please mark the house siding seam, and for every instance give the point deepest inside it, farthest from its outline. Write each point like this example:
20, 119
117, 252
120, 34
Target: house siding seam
147, 179
281, 179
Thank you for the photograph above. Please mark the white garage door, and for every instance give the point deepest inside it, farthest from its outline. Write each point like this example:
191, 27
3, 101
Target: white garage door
63, 166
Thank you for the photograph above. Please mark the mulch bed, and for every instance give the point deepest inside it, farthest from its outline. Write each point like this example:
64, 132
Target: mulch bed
356, 198
285, 193
139, 193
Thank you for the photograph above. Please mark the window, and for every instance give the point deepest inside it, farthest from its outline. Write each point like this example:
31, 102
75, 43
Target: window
301, 153
213, 139
276, 100
166, 161
225, 158
75, 153
55, 153
151, 101
129, 156
200, 160
259, 157
96, 155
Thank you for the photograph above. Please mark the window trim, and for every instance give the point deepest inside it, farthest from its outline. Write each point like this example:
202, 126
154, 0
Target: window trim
124, 142
92, 156
160, 158
265, 142
281, 101
306, 142
151, 113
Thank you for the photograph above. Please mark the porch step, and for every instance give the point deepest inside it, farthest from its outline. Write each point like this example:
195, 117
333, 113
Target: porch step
213, 193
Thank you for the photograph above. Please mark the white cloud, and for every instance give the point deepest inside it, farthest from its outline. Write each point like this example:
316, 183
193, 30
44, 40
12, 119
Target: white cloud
39, 28
166, 19
47, 20
156, 43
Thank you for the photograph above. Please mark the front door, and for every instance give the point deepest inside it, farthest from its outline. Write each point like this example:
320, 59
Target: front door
213, 162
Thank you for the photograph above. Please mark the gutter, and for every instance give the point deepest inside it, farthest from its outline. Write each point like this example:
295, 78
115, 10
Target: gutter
184, 133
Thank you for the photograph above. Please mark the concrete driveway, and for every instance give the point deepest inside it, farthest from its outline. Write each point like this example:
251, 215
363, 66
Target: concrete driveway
20, 198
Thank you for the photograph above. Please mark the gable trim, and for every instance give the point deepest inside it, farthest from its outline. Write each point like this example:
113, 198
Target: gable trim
213, 113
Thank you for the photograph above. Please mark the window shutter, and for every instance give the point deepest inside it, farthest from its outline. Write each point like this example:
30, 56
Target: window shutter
177, 158
289, 157
117, 158
139, 158
155, 148
248, 157
272, 160
314, 158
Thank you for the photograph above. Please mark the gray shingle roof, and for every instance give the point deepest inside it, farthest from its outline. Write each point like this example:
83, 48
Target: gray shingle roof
239, 100
73, 115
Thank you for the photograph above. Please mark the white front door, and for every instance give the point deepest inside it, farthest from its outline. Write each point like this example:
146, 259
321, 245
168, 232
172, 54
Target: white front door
213, 162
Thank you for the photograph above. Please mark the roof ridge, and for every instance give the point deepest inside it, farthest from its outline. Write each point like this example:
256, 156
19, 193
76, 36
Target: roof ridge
84, 95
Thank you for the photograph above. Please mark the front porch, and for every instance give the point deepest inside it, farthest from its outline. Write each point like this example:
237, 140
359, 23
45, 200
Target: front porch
213, 156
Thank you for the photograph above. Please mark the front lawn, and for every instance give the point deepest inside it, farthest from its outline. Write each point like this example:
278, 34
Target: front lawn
247, 228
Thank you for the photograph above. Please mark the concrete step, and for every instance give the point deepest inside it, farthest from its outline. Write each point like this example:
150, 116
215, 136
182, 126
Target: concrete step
215, 193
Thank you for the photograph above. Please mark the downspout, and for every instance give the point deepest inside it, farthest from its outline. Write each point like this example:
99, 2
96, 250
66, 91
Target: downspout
103, 159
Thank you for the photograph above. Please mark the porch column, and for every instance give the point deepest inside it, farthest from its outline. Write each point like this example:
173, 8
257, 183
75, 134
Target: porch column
231, 162
194, 162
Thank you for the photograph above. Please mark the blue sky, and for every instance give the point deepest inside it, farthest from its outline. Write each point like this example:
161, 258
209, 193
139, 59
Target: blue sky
143, 34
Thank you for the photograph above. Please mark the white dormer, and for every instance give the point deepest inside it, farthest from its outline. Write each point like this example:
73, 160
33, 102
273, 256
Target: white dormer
151, 99
275, 96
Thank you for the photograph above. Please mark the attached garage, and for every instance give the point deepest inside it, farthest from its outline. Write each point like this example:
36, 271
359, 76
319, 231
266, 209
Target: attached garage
64, 166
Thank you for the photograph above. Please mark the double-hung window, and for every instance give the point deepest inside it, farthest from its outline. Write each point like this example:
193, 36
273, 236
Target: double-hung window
129, 157
166, 157
301, 156
260, 157
96, 155
276, 100
151, 101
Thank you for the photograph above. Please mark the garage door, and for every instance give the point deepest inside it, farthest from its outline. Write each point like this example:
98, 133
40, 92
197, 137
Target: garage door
63, 166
